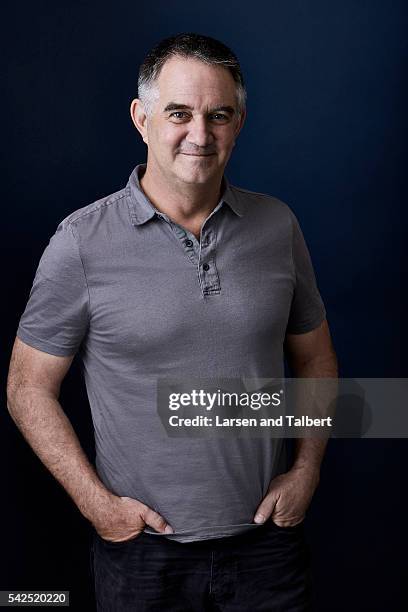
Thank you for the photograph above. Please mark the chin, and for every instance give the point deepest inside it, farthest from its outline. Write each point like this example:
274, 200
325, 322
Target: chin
196, 174
195, 178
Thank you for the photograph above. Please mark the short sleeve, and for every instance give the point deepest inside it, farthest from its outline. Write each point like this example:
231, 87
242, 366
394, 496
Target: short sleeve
56, 316
307, 309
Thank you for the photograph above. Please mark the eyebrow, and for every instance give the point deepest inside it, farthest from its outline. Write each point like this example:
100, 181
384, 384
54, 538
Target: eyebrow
175, 106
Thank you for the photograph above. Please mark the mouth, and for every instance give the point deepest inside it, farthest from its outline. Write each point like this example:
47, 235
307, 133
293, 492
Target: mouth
197, 155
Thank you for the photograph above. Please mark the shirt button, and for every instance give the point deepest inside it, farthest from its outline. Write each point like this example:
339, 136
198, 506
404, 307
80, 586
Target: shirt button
206, 267
188, 243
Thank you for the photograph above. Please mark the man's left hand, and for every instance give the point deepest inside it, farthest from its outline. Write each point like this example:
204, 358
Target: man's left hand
288, 497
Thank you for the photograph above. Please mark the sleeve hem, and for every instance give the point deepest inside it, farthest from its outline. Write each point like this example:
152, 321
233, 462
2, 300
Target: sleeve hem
309, 326
44, 345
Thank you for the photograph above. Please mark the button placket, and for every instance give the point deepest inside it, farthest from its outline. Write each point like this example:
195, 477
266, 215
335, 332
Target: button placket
207, 269
201, 253
189, 242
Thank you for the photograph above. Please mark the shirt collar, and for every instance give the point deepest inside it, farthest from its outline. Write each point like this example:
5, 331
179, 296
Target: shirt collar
141, 209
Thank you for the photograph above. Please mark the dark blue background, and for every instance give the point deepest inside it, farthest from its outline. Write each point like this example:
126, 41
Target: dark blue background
326, 133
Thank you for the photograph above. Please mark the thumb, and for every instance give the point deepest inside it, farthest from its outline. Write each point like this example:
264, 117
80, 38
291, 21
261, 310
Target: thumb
265, 508
155, 520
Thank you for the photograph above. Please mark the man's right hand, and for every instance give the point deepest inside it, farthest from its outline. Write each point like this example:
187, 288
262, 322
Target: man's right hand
123, 518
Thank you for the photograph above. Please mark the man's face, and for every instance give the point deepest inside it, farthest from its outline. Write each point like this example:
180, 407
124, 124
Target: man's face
194, 122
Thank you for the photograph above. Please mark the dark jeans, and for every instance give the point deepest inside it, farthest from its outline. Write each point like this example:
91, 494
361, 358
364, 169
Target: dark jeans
265, 569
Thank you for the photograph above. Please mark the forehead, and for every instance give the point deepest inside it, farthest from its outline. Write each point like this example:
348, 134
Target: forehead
194, 79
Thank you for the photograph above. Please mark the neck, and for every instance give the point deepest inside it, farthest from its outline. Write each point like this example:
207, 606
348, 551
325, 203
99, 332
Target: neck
181, 202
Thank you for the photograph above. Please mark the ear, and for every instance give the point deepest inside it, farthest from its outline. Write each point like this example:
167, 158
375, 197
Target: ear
139, 117
240, 122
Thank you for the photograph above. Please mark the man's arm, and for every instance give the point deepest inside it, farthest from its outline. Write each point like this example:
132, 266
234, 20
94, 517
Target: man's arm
310, 355
33, 389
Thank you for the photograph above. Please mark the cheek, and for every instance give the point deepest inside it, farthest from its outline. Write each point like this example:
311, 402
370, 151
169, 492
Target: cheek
225, 139
170, 137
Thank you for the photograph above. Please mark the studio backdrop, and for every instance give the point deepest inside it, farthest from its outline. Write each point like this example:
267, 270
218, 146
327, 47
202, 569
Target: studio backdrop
325, 133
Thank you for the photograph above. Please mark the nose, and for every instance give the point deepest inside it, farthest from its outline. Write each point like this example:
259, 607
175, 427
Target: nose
199, 133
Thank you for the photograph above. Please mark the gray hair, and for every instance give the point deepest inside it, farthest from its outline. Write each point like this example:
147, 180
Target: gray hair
188, 45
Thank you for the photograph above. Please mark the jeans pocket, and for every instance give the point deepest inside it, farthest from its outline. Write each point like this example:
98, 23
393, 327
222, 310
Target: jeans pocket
289, 529
111, 543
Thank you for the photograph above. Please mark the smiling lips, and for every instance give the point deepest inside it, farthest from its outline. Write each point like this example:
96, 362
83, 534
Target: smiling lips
197, 155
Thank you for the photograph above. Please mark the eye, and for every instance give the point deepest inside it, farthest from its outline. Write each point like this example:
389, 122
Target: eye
178, 114
219, 116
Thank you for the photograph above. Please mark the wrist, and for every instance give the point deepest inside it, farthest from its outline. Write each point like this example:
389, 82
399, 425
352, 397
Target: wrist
309, 470
98, 502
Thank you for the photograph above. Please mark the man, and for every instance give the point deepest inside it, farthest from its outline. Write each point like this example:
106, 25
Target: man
177, 275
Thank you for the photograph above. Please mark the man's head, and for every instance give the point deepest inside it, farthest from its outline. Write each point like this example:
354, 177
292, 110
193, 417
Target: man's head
191, 107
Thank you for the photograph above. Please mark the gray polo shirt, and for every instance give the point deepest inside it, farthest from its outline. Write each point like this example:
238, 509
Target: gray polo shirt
139, 298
